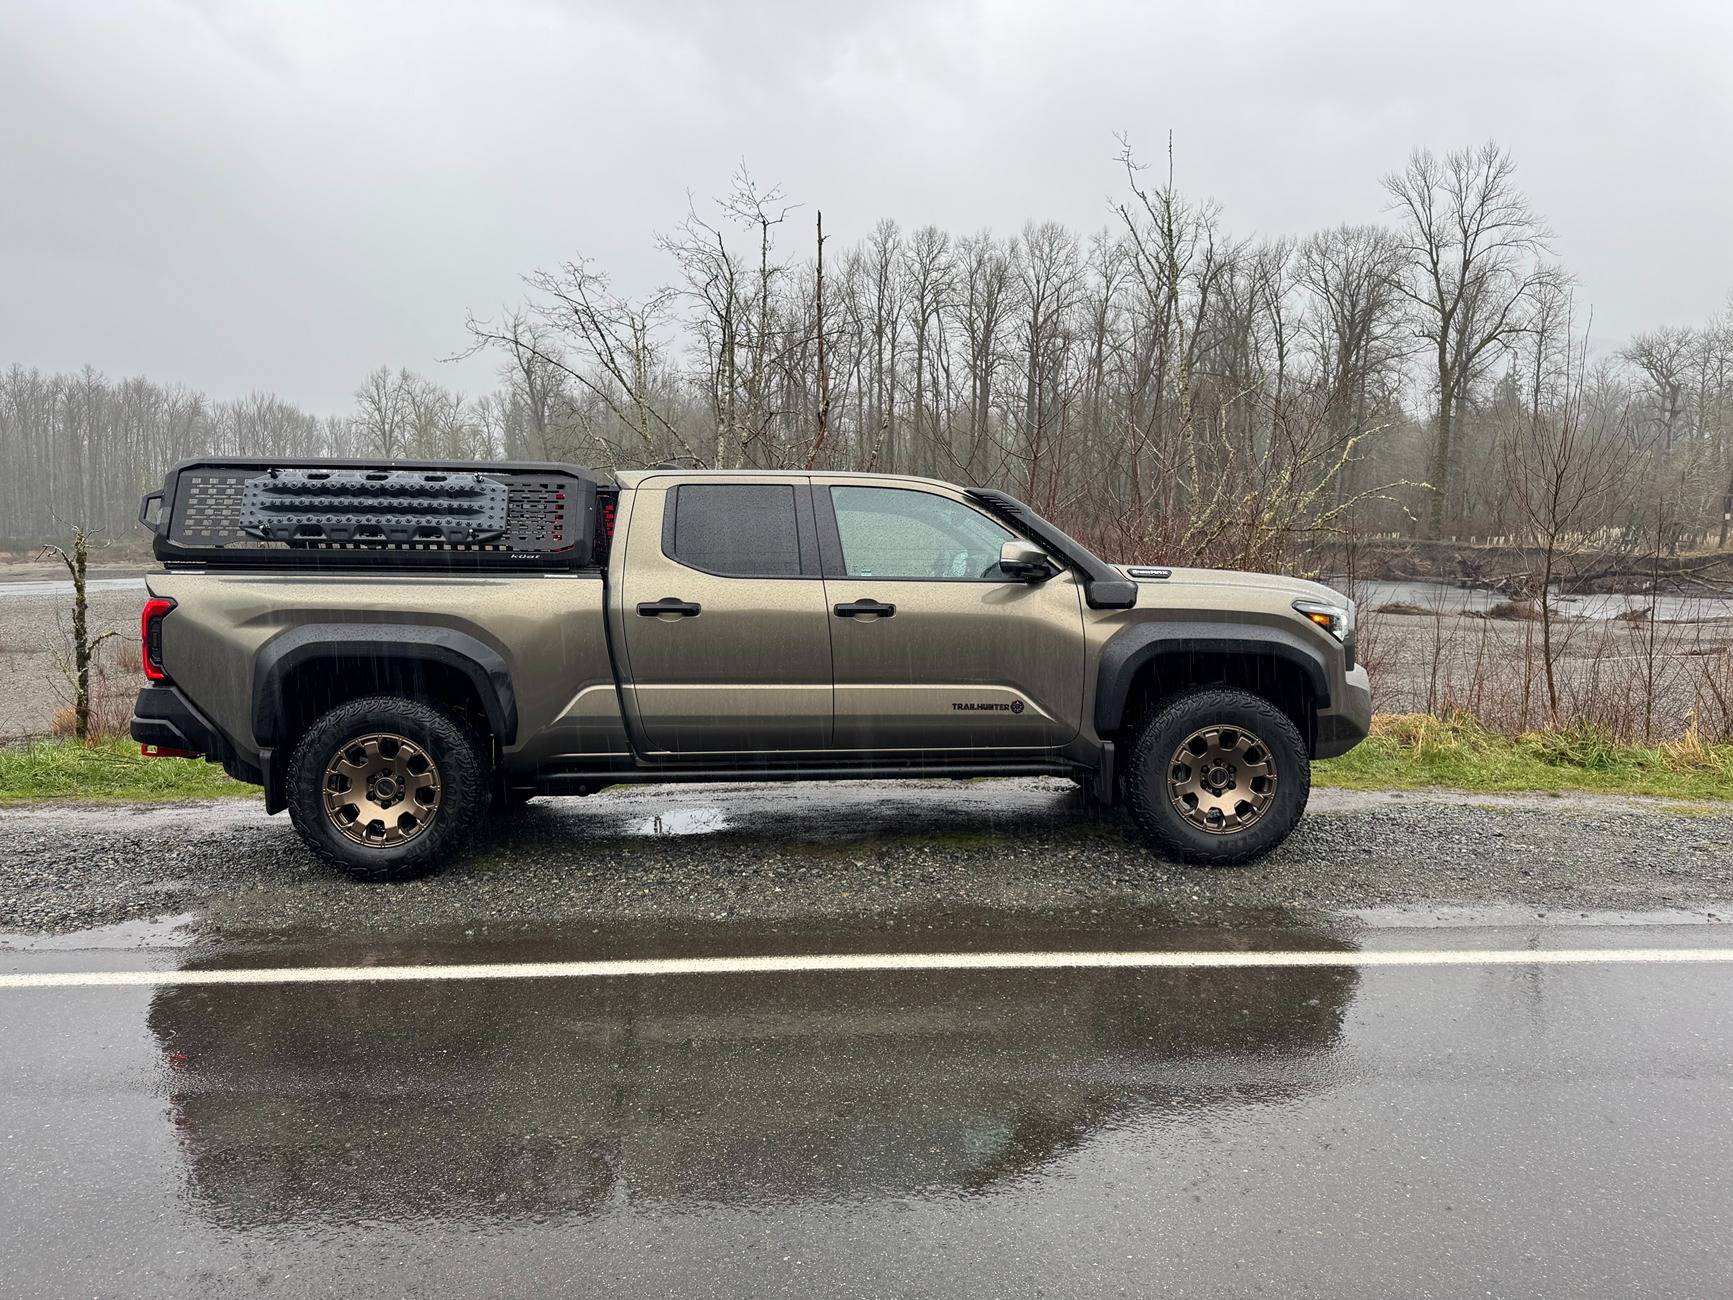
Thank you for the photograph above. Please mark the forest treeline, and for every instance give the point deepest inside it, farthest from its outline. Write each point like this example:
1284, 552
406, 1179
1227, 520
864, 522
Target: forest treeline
1160, 385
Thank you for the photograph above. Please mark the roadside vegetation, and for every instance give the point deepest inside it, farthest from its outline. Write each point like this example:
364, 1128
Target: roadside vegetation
1416, 750
106, 771
1405, 751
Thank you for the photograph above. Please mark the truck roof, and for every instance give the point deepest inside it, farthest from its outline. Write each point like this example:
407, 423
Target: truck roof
631, 478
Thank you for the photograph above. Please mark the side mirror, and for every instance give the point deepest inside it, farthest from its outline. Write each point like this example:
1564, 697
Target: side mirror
1021, 561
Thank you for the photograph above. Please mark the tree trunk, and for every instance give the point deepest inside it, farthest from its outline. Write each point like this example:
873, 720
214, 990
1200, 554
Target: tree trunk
1546, 632
1443, 453
80, 636
823, 429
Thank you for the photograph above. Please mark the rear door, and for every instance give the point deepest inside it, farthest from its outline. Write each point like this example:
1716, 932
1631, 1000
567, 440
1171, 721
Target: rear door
727, 630
932, 647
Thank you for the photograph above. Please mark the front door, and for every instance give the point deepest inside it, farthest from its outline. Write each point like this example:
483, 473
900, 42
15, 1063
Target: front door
932, 647
727, 630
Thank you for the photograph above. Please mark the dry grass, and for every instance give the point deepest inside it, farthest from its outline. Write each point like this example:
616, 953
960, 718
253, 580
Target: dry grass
112, 693
1458, 751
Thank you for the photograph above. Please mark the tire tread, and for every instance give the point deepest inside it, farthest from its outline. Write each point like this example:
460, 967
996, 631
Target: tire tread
1146, 777
463, 774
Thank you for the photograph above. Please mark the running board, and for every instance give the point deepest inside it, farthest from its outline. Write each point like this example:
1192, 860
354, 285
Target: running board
582, 781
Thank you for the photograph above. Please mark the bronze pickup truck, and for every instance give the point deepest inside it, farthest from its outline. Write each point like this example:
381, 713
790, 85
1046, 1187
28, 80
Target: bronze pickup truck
391, 650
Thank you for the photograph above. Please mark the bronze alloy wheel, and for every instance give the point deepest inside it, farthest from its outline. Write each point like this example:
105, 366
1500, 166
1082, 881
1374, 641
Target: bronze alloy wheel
1222, 779
381, 790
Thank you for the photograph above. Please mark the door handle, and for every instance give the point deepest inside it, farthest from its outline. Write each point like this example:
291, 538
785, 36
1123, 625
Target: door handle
669, 605
864, 607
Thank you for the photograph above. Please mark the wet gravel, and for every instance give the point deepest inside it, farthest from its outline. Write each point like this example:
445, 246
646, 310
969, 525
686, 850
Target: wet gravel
876, 854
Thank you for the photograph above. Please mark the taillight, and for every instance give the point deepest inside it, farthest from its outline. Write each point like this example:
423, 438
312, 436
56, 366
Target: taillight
150, 634
606, 504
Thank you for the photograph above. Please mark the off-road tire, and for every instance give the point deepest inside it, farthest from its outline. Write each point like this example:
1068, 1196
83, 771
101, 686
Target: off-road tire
1153, 750
460, 764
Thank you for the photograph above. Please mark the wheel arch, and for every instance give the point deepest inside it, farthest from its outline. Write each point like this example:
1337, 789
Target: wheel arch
1146, 663
308, 670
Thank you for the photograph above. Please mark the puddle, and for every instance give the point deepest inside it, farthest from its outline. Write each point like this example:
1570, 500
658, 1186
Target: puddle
172, 931
680, 821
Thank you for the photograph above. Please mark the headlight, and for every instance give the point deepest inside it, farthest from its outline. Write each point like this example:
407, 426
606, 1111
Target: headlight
1332, 618
1337, 620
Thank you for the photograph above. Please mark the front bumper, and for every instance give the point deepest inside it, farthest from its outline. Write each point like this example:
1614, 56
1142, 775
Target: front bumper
165, 718
1349, 718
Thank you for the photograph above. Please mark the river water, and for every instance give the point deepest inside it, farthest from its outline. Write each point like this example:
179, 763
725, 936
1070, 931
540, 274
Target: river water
1457, 600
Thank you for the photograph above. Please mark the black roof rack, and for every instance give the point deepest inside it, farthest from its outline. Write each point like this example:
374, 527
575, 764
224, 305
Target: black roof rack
262, 512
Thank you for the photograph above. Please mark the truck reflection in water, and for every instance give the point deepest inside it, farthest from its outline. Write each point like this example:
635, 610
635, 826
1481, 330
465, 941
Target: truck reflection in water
551, 1099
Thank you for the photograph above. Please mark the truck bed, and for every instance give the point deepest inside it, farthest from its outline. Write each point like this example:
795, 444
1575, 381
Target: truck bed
547, 631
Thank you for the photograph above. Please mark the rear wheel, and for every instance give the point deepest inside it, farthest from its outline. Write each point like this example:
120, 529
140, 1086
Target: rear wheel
1218, 777
386, 788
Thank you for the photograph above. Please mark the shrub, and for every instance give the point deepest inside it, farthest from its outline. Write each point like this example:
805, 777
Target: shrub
1590, 746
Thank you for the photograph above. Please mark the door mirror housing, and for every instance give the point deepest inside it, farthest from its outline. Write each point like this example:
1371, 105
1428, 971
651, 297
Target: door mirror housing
1022, 561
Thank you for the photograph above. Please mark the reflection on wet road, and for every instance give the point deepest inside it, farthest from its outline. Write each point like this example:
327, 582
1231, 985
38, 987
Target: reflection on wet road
1332, 1131
832, 812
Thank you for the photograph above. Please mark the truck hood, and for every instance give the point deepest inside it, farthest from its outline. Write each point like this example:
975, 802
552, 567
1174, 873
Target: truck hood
1294, 588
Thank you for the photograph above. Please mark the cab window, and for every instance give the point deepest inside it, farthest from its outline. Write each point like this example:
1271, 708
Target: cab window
902, 533
737, 530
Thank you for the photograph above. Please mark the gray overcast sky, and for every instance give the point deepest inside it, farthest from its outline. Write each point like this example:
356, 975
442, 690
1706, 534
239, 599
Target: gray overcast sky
240, 196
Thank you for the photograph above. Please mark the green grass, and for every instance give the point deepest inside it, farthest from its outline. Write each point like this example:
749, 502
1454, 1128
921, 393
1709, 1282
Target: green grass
1409, 751
1405, 751
107, 771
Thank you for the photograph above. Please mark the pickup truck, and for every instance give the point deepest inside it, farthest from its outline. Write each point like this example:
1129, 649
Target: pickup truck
392, 651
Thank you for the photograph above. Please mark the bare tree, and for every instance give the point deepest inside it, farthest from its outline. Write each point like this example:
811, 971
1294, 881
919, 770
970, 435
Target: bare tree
1472, 248
76, 558
1568, 468
1663, 357
926, 272
820, 324
1349, 272
380, 412
884, 261
1051, 270
989, 296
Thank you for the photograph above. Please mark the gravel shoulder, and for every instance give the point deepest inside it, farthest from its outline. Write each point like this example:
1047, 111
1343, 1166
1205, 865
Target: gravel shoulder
875, 854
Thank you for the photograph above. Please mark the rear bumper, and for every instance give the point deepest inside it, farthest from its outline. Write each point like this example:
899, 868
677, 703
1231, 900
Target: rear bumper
162, 716
1346, 723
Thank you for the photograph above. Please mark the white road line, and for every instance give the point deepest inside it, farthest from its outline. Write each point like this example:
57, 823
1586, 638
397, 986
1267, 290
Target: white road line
842, 962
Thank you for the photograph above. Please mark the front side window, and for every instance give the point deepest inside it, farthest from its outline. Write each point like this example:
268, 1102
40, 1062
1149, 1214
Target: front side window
739, 530
901, 533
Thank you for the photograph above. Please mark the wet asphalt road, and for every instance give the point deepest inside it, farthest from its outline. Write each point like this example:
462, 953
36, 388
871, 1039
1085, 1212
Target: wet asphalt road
1514, 1130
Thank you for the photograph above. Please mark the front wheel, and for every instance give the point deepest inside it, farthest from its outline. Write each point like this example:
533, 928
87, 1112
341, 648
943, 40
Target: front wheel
1217, 777
386, 788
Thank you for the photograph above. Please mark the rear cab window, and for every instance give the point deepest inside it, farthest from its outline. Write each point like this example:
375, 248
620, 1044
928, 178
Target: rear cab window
734, 530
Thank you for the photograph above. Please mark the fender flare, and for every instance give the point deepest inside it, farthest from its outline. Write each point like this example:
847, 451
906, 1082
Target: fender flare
1130, 649
396, 642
